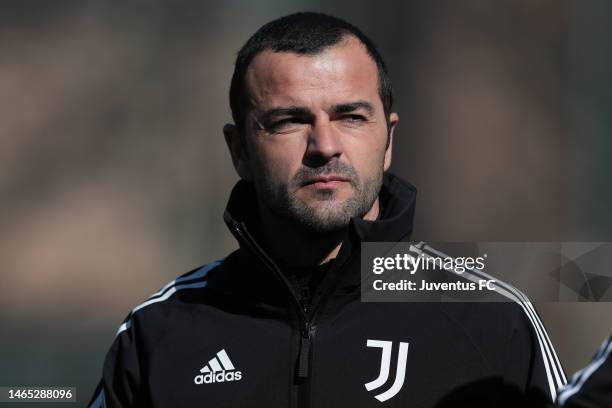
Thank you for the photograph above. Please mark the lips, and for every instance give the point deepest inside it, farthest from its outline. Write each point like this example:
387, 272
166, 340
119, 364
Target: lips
326, 180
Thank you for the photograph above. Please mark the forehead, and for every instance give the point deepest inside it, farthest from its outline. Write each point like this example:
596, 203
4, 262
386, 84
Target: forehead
341, 73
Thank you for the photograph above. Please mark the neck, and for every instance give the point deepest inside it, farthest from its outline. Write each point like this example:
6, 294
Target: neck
291, 245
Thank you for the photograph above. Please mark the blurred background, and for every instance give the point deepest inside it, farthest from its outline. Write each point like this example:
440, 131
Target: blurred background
114, 172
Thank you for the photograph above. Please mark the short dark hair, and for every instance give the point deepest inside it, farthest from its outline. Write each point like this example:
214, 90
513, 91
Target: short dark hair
306, 33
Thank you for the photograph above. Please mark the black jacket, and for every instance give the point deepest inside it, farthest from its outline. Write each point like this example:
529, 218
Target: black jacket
590, 387
234, 333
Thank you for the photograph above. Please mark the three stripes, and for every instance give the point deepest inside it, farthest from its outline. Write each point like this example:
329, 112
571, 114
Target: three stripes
220, 362
583, 375
192, 280
554, 373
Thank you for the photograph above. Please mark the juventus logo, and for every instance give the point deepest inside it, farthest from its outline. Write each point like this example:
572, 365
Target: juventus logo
385, 365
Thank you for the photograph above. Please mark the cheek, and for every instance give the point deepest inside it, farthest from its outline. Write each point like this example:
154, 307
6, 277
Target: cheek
278, 160
367, 153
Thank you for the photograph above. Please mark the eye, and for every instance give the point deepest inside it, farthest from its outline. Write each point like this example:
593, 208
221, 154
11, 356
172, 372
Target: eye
284, 125
282, 122
354, 118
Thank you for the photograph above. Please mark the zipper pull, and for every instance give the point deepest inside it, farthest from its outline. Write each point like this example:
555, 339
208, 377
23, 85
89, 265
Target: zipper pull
305, 299
308, 333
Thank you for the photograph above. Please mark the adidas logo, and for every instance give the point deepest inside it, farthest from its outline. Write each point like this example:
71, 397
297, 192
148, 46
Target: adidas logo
219, 369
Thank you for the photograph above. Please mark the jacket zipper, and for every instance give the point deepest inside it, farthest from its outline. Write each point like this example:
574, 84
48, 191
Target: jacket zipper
306, 328
307, 317
308, 334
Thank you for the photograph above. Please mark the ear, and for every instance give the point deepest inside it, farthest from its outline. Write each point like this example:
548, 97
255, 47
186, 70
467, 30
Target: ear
237, 151
393, 119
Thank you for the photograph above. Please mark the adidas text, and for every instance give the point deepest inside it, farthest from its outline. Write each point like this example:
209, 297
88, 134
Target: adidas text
210, 378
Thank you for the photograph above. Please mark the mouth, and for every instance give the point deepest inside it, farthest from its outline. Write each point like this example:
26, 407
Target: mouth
326, 181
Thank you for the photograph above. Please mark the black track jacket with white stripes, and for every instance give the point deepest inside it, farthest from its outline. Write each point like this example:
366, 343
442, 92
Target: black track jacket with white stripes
590, 387
234, 333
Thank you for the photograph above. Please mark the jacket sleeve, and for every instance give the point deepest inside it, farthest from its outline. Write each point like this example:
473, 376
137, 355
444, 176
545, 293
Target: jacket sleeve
590, 387
121, 374
532, 365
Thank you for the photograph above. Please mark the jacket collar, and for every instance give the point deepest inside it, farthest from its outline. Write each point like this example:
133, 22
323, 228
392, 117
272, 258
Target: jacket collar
397, 199
395, 223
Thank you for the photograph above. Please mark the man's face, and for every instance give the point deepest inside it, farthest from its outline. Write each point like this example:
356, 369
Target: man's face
316, 135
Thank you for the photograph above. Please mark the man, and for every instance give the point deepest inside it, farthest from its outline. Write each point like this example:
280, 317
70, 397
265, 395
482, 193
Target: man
279, 322
590, 387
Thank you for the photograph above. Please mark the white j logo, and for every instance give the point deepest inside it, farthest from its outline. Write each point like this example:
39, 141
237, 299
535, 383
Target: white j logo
385, 365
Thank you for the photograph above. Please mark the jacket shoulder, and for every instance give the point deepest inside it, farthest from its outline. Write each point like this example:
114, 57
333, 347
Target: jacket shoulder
513, 319
184, 289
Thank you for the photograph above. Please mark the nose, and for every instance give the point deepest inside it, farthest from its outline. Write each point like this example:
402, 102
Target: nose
323, 143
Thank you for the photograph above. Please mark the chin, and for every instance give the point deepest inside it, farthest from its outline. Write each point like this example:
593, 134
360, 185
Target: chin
325, 226
333, 220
